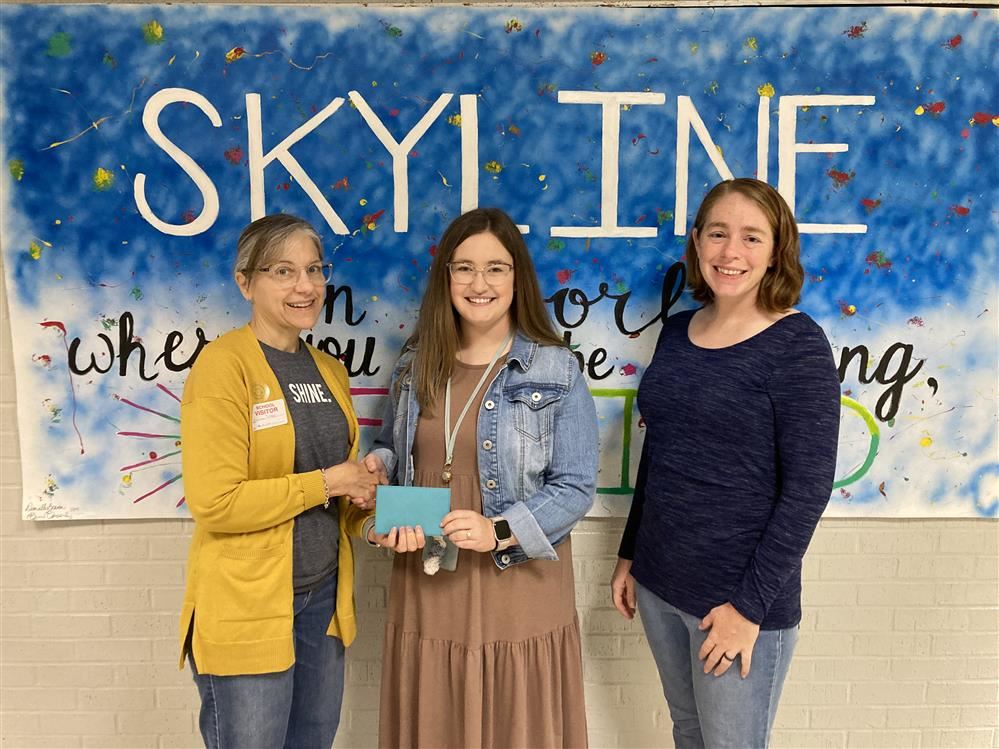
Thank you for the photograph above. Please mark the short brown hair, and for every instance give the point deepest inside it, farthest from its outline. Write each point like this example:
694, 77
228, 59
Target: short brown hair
780, 288
436, 337
263, 239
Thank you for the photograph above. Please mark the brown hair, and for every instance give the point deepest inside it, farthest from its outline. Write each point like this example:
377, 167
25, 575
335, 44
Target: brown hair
263, 240
780, 288
436, 336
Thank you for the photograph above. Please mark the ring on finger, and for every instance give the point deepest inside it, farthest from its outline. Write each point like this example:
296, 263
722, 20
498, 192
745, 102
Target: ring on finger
728, 657
468, 535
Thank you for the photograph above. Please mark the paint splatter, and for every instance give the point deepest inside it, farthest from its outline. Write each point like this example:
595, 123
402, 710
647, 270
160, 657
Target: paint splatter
926, 440
915, 322
847, 310
55, 412
953, 43
234, 54
751, 43
960, 210
16, 169
126, 480
628, 370
454, 119
870, 205
598, 58
587, 173
767, 89
50, 486
856, 32
845, 494
984, 118
234, 155
370, 221
563, 276
35, 250
342, 184
61, 328
879, 260
103, 179
513, 25
152, 32
663, 216
881, 489
42, 360
188, 216
513, 130
840, 178
693, 47
393, 31
136, 293
109, 60
556, 245
934, 108
60, 44
493, 167
638, 138
712, 88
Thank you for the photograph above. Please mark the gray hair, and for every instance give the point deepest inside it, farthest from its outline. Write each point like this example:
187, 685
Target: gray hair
264, 239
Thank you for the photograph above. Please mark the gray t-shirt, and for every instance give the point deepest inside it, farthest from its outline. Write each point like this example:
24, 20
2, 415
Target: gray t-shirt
321, 440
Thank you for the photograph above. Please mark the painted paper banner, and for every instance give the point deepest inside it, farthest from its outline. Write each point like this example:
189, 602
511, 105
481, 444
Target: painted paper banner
139, 140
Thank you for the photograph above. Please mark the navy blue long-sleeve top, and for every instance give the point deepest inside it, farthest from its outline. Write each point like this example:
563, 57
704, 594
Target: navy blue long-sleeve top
737, 467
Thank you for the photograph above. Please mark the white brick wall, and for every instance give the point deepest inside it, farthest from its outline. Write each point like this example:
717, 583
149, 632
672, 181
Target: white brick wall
899, 645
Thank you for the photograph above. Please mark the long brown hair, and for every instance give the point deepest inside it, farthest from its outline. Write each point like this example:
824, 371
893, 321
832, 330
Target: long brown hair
436, 337
780, 288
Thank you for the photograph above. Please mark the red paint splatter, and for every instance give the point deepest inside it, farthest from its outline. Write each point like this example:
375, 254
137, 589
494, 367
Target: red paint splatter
879, 260
856, 32
953, 43
563, 276
848, 310
628, 369
936, 107
915, 322
840, 178
370, 221
393, 113
598, 58
960, 210
188, 217
637, 138
152, 455
433, 250
981, 118
870, 205
845, 494
234, 155
965, 132
342, 184
72, 390
44, 359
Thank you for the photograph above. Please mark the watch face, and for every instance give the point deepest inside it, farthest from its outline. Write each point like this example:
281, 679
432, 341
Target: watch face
502, 530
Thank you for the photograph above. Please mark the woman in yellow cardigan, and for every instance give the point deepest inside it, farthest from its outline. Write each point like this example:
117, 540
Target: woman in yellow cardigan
269, 455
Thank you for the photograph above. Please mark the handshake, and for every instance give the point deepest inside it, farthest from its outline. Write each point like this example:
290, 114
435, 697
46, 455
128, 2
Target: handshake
357, 480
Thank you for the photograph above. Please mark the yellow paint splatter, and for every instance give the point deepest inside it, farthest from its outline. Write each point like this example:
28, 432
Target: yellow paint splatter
103, 179
493, 167
919, 110
925, 441
374, 298
444, 180
767, 89
542, 177
694, 46
152, 32
126, 480
35, 250
362, 201
454, 119
234, 54
751, 43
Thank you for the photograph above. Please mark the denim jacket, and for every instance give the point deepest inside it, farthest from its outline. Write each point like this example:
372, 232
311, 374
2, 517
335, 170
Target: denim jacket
537, 445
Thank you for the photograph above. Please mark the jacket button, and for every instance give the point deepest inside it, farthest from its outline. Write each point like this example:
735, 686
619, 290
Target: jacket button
490, 484
535, 397
490, 405
505, 559
487, 445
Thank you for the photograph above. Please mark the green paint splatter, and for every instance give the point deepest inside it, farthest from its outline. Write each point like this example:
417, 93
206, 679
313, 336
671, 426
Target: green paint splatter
493, 167
60, 44
109, 60
35, 250
712, 88
109, 323
152, 32
136, 293
621, 287
663, 216
393, 31
16, 167
556, 244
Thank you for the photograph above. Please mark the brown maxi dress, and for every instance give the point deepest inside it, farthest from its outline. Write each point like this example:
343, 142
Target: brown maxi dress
478, 657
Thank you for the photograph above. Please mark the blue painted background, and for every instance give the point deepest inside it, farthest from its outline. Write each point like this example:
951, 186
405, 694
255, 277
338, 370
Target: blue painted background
920, 172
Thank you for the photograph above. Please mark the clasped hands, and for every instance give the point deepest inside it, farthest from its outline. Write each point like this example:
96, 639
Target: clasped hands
357, 480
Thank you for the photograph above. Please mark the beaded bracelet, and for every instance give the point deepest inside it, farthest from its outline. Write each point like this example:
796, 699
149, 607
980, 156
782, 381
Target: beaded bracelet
326, 490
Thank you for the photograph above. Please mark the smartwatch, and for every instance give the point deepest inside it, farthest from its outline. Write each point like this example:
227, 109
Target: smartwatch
502, 533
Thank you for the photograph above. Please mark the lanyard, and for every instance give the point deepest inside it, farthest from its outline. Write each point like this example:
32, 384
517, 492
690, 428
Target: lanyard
451, 437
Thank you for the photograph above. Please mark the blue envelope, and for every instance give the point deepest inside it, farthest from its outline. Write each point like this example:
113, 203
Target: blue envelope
402, 506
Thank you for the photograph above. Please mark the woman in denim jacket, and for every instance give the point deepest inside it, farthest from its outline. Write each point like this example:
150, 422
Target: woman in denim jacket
486, 652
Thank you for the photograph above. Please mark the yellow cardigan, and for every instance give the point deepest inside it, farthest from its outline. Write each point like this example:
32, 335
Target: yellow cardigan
243, 494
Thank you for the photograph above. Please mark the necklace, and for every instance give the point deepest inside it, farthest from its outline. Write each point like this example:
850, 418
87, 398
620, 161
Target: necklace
451, 436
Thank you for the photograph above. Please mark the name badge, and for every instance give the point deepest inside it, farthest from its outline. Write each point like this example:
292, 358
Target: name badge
269, 414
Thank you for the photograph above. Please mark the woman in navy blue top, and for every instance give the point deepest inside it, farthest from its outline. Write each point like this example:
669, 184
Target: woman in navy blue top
741, 405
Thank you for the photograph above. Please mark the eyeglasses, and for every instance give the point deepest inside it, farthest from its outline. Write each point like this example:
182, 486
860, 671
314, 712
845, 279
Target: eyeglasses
494, 273
287, 275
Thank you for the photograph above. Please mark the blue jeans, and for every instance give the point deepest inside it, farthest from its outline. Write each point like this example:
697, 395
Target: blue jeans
294, 709
708, 710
